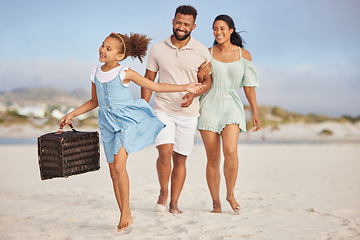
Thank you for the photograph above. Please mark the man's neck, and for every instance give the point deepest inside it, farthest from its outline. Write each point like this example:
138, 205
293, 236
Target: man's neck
179, 44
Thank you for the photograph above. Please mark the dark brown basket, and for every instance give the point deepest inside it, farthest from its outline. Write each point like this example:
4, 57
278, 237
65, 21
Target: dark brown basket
62, 154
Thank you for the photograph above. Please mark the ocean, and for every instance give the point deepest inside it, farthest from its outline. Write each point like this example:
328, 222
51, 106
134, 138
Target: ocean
32, 141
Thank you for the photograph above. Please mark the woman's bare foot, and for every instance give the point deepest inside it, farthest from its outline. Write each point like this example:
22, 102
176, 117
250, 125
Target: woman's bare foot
234, 205
216, 208
174, 209
124, 223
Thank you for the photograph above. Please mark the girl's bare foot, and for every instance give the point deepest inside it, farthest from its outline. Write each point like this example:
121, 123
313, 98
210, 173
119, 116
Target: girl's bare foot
124, 223
234, 205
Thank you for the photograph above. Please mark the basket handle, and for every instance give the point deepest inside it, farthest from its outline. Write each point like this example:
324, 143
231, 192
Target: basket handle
62, 124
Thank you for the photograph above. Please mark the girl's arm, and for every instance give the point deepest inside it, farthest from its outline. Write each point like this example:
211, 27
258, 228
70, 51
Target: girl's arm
86, 107
160, 87
251, 97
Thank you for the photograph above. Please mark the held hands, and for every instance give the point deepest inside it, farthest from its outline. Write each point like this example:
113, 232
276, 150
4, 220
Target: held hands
194, 87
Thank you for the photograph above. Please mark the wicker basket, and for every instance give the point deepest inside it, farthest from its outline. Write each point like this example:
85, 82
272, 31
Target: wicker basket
62, 154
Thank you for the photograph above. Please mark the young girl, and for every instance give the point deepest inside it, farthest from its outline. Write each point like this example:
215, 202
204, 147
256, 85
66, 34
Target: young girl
126, 125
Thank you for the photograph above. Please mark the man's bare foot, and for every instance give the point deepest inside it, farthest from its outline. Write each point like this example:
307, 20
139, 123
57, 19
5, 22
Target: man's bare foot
174, 209
160, 208
234, 205
124, 223
216, 209
162, 198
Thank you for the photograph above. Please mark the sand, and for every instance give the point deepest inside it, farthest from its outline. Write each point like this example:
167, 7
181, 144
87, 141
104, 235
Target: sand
286, 191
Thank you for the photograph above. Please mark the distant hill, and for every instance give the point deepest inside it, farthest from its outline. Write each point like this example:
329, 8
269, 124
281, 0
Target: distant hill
55, 98
48, 96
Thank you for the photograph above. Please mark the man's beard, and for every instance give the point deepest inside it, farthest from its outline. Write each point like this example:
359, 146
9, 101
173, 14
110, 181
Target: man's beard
181, 38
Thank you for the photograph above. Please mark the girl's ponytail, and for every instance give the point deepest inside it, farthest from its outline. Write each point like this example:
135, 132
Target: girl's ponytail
138, 45
135, 46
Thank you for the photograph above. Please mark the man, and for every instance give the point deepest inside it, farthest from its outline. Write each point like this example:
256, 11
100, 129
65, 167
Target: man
177, 59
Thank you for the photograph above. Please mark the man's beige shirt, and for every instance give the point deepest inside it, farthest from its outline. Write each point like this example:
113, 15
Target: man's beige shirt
176, 66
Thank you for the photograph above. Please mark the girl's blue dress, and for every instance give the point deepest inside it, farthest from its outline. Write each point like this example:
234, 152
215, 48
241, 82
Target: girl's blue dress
124, 121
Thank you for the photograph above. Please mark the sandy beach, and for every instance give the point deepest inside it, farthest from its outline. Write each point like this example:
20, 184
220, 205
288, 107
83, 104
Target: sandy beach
286, 191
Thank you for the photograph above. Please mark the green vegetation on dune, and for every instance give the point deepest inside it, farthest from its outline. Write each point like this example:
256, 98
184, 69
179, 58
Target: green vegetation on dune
275, 116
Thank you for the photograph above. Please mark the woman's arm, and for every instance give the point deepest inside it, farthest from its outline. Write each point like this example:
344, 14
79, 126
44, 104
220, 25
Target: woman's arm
251, 97
160, 87
204, 70
86, 107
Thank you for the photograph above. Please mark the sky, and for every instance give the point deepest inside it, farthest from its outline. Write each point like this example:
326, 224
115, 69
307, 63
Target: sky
306, 52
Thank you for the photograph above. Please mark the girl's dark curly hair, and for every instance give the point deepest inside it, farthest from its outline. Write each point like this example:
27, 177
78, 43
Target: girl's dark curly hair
136, 44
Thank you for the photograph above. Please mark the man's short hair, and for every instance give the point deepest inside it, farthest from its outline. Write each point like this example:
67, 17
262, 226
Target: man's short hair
186, 10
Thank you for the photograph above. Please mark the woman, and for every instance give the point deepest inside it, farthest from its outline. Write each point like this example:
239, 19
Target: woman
222, 115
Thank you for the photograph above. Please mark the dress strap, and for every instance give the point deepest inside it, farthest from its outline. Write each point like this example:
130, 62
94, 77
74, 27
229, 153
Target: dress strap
211, 51
122, 75
121, 69
96, 70
120, 72
240, 52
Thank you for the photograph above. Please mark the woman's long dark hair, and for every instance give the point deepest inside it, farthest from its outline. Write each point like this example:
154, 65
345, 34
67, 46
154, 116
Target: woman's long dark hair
235, 37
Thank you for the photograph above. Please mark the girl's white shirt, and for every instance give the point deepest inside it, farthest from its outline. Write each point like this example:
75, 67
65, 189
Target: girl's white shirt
109, 75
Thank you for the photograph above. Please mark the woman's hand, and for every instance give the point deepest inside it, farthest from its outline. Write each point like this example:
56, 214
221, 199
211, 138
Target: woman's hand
204, 70
194, 87
256, 122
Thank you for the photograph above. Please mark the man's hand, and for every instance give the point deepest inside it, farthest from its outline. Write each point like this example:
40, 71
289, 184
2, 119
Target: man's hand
187, 99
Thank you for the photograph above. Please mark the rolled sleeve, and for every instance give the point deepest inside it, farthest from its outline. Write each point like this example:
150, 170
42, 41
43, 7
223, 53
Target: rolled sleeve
152, 64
